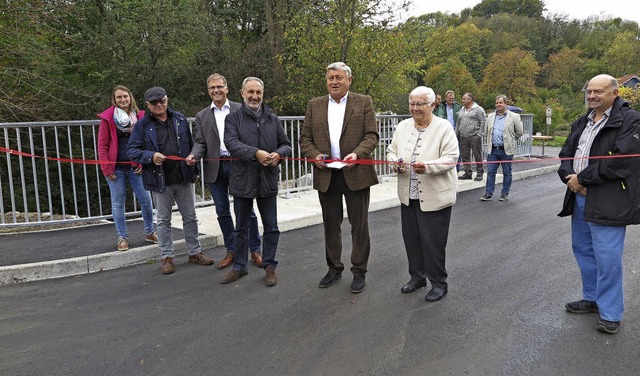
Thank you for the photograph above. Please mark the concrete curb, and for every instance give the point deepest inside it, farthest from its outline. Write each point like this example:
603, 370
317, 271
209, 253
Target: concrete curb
12, 274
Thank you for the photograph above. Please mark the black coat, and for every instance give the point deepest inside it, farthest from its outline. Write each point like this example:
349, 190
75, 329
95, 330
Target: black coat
613, 184
244, 135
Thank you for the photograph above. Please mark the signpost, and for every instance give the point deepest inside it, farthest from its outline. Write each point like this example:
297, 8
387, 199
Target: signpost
549, 112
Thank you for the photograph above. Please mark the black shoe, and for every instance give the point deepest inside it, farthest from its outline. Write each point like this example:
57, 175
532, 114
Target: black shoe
609, 327
330, 278
436, 294
412, 286
503, 198
357, 286
582, 306
486, 198
478, 177
465, 177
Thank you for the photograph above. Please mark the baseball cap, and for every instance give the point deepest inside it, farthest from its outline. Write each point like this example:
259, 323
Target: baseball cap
154, 94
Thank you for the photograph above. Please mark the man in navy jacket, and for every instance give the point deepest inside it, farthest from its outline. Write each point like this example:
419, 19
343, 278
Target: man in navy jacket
160, 142
602, 196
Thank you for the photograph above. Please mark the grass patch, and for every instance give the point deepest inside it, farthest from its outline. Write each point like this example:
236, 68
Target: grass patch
558, 141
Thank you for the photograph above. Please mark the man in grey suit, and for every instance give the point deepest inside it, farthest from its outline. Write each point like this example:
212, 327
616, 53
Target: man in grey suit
342, 126
208, 139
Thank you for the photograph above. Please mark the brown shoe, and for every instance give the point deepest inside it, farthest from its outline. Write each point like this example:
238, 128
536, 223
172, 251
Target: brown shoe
167, 266
270, 278
256, 258
226, 261
123, 244
151, 238
233, 275
201, 259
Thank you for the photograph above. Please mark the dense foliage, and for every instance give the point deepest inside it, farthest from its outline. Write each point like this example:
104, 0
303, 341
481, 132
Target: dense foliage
60, 59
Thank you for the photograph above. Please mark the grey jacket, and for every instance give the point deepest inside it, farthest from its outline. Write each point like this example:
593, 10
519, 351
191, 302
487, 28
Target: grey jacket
471, 123
244, 135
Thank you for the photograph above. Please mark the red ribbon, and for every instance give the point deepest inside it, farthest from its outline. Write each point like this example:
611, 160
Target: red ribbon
310, 160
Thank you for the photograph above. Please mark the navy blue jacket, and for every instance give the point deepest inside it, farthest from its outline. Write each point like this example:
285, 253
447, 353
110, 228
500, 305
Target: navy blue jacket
244, 135
613, 184
143, 144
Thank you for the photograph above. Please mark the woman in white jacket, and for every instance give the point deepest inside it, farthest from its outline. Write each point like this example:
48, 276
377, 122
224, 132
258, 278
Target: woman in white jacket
425, 149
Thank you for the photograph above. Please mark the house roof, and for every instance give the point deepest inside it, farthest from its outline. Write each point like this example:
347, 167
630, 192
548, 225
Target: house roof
630, 79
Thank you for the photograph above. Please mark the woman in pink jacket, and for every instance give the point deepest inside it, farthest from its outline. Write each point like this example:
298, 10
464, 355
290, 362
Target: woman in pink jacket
116, 125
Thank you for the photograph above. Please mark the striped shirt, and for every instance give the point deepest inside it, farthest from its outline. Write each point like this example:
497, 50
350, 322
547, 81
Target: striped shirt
590, 132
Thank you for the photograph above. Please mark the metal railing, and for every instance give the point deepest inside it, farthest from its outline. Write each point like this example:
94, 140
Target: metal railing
53, 185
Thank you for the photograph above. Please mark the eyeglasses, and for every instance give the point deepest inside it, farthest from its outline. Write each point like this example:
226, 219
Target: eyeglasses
417, 104
219, 87
595, 92
157, 101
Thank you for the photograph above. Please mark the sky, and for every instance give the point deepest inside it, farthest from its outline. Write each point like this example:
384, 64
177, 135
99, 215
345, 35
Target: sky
575, 9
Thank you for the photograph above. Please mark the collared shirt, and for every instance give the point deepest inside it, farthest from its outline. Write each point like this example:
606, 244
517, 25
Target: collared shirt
450, 115
335, 114
220, 115
590, 132
498, 129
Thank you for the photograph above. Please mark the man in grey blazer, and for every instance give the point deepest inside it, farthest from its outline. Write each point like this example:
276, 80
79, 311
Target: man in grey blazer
342, 126
503, 129
208, 136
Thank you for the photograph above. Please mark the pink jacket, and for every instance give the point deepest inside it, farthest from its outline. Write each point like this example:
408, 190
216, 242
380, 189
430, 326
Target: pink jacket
108, 140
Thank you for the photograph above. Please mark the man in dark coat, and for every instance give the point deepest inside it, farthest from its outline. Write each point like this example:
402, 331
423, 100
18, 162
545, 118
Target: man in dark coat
602, 196
256, 141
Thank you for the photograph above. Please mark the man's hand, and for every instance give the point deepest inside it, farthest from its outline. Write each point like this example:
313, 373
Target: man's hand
275, 158
320, 161
158, 158
574, 185
263, 157
349, 160
138, 170
190, 160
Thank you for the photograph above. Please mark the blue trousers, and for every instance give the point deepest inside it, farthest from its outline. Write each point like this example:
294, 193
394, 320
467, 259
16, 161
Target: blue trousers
598, 250
492, 168
220, 194
118, 190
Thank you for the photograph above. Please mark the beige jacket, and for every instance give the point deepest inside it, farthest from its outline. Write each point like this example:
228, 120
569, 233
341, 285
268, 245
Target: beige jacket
512, 132
438, 149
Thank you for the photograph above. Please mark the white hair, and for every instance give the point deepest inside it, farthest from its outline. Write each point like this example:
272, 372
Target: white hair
244, 82
340, 66
423, 90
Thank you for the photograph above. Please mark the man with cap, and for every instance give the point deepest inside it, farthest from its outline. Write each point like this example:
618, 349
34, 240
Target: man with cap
160, 141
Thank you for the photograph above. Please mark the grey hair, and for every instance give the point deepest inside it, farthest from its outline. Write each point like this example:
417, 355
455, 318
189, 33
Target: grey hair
426, 91
504, 98
468, 94
449, 92
340, 66
613, 83
217, 76
246, 80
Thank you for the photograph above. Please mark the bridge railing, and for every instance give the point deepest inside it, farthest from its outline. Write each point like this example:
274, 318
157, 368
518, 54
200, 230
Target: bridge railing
48, 178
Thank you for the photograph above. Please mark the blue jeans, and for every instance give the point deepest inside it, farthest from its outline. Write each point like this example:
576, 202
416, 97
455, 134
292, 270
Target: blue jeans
598, 250
184, 197
268, 212
118, 190
220, 194
492, 168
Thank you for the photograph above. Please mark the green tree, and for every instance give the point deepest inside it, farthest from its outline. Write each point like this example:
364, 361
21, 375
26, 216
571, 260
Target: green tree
511, 72
527, 8
450, 75
564, 68
621, 57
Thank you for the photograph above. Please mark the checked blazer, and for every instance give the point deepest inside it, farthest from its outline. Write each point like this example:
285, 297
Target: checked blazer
207, 141
359, 136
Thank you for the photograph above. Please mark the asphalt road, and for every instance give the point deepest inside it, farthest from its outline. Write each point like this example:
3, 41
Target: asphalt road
510, 272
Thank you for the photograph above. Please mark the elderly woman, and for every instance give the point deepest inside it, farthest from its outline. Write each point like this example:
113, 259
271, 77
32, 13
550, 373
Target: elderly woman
116, 124
425, 150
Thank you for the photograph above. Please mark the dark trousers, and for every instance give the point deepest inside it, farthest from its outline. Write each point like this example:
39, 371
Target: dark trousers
358, 215
267, 206
469, 145
425, 237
